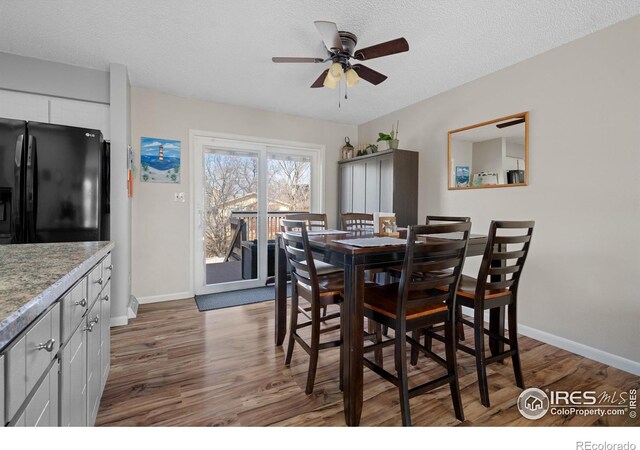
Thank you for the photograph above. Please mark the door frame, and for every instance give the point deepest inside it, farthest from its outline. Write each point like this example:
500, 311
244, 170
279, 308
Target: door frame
262, 146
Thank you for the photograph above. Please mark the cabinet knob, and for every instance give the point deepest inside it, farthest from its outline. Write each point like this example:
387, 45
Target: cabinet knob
100, 281
92, 323
82, 302
110, 267
48, 346
106, 298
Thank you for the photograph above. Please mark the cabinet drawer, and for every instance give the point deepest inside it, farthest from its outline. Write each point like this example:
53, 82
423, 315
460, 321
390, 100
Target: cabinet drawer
2, 419
74, 305
42, 409
42, 345
107, 267
96, 282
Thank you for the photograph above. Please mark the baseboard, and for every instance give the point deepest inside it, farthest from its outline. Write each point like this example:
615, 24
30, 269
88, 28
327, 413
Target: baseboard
119, 321
165, 298
595, 354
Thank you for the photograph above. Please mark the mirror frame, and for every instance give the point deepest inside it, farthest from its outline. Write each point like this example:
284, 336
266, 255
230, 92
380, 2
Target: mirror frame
522, 115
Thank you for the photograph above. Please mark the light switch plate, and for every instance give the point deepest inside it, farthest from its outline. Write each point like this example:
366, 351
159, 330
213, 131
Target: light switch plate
178, 197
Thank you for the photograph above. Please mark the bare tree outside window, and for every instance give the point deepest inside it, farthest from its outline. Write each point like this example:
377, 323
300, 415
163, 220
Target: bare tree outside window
231, 188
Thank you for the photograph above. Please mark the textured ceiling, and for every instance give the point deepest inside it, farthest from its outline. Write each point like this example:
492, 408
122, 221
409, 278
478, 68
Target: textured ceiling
221, 50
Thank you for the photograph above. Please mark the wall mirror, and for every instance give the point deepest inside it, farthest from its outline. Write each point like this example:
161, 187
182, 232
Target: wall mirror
490, 154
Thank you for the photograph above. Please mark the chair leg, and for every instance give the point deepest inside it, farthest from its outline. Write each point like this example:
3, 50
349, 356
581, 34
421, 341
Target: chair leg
481, 368
314, 345
293, 323
513, 343
459, 324
385, 330
401, 368
378, 357
415, 334
450, 337
427, 339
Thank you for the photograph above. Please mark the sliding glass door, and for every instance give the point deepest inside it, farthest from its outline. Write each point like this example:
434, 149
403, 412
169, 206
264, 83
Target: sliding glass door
242, 190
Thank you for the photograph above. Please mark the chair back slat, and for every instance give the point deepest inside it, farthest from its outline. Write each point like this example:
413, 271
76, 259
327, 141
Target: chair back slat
356, 222
432, 219
504, 256
440, 247
511, 239
503, 270
314, 221
299, 255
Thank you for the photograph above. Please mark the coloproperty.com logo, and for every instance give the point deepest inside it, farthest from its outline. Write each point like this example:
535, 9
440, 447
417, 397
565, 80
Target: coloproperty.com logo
535, 403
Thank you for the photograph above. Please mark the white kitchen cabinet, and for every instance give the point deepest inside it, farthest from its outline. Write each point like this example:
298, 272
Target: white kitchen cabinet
105, 333
2, 421
73, 380
359, 188
42, 409
40, 108
21, 106
94, 361
54, 372
372, 183
80, 114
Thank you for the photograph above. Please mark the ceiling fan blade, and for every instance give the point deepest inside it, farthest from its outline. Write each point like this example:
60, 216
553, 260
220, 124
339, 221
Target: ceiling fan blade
508, 124
329, 33
294, 59
386, 48
320, 81
369, 75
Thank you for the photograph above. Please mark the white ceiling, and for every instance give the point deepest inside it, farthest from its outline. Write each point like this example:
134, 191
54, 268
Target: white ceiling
221, 50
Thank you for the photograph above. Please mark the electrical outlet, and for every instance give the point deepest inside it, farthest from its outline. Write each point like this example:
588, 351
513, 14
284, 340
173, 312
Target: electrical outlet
178, 197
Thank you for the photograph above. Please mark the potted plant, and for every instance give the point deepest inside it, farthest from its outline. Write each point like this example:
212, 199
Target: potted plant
391, 138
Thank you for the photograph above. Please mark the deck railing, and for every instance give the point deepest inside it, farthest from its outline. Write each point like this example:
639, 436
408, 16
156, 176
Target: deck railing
273, 222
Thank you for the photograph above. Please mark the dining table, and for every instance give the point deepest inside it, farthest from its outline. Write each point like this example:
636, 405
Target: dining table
354, 260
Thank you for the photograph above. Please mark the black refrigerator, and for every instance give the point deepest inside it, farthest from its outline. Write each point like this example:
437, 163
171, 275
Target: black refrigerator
54, 183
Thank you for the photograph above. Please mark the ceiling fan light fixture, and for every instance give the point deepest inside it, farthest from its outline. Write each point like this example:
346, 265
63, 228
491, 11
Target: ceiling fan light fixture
330, 81
351, 77
336, 70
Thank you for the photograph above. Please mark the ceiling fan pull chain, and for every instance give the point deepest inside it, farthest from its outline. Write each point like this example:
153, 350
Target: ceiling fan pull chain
339, 94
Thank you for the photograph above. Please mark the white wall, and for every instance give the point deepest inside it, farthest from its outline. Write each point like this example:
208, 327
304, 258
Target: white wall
580, 283
161, 231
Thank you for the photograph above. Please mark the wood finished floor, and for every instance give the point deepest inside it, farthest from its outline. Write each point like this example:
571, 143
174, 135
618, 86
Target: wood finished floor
176, 366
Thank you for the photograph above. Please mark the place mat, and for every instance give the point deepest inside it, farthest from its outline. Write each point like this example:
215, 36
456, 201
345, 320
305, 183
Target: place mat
372, 242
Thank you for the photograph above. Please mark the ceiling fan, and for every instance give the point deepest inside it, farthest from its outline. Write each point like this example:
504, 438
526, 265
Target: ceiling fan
340, 46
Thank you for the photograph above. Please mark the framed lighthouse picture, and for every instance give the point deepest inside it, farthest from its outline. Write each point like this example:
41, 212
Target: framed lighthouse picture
159, 160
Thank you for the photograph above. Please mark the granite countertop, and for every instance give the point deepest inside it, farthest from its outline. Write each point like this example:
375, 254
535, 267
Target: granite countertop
34, 276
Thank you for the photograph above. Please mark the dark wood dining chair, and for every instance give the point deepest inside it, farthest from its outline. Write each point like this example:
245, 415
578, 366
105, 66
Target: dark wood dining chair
356, 222
318, 290
496, 287
314, 221
415, 303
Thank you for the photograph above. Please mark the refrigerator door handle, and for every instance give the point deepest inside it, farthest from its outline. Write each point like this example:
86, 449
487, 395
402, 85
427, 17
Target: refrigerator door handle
17, 201
31, 192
